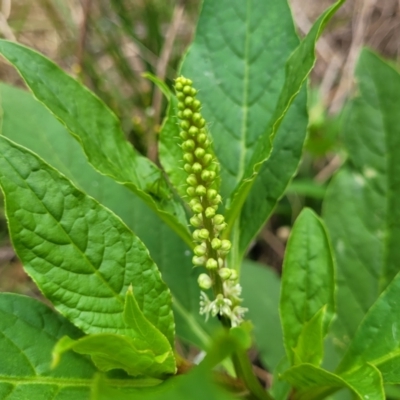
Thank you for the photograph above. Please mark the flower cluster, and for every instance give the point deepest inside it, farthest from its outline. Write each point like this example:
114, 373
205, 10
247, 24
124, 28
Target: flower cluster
203, 199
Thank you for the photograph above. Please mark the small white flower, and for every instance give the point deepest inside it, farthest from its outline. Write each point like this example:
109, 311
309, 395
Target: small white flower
205, 305
232, 290
237, 315
221, 306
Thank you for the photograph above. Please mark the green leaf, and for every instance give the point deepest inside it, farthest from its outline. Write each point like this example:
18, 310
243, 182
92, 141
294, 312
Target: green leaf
307, 293
362, 206
80, 254
43, 134
97, 130
28, 332
298, 67
261, 296
146, 352
314, 383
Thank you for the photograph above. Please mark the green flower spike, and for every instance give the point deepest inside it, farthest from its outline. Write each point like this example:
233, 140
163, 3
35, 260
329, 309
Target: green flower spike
203, 199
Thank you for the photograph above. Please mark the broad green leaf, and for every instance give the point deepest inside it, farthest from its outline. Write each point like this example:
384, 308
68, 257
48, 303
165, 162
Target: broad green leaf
362, 203
307, 293
314, 383
261, 296
28, 332
146, 352
97, 130
80, 254
298, 67
43, 134
378, 336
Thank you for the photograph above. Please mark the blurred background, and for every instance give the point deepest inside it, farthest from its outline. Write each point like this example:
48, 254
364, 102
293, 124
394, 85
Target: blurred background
108, 45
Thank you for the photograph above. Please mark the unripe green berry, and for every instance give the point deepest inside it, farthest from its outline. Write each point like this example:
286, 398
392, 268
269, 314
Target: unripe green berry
211, 194
200, 250
196, 104
202, 122
199, 152
204, 281
197, 208
216, 243
211, 264
188, 82
197, 168
180, 114
183, 135
184, 124
196, 221
210, 212
188, 157
181, 105
201, 190
206, 144
193, 92
187, 113
187, 90
193, 131
188, 101
187, 168
178, 85
219, 219
225, 273
201, 138
188, 145
191, 191
180, 96
226, 245
199, 261
207, 159
204, 234
191, 180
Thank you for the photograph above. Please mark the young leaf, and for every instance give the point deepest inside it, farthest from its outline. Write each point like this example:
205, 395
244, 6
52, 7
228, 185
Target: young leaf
25, 371
146, 352
298, 68
43, 134
314, 383
80, 254
362, 206
307, 294
98, 131
261, 296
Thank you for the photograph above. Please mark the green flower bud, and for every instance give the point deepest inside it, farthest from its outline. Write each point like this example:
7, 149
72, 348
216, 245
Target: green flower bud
201, 138
207, 159
210, 212
195, 235
193, 131
191, 191
188, 101
219, 219
197, 168
180, 114
181, 106
206, 144
187, 168
211, 264
188, 82
201, 190
200, 250
204, 234
193, 92
178, 85
188, 157
234, 275
187, 113
220, 228
204, 281
202, 122
188, 145
226, 245
211, 194
183, 135
225, 273
199, 261
196, 221
220, 262
217, 199
199, 152
208, 176
196, 104
187, 90
191, 180
196, 117
184, 124
216, 243
180, 96
197, 208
